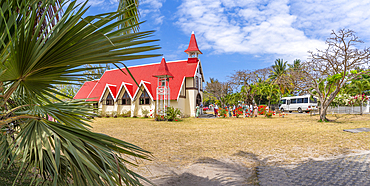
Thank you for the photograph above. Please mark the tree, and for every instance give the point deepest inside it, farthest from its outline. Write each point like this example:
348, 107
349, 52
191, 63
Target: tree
296, 65
327, 71
359, 88
218, 89
34, 62
95, 71
278, 74
279, 69
246, 80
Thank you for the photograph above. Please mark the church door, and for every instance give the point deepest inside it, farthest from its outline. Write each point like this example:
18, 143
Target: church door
198, 100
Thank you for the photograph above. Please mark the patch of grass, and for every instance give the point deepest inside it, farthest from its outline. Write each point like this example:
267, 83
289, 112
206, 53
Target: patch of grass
7, 176
284, 140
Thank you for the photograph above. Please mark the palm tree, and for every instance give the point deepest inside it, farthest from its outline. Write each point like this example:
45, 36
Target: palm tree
35, 59
296, 65
279, 70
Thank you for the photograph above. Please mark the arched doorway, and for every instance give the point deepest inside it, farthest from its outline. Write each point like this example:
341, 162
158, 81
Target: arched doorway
198, 99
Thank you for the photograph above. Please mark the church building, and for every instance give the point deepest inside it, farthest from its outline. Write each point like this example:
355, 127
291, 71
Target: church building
173, 83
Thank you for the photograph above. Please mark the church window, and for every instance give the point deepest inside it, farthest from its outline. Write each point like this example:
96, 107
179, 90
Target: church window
109, 100
126, 100
144, 98
196, 82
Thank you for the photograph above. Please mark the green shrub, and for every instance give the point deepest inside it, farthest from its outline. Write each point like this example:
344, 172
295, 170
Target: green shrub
223, 112
172, 113
114, 114
269, 114
145, 112
126, 113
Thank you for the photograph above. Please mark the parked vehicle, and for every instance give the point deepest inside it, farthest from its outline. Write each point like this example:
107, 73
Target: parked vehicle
298, 103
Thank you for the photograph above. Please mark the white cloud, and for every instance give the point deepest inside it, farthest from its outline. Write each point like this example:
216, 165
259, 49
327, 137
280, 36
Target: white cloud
152, 8
283, 28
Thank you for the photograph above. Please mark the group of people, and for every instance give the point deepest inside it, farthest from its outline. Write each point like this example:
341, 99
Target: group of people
248, 110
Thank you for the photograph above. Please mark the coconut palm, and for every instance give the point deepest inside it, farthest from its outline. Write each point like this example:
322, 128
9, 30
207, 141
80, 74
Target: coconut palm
296, 65
52, 140
279, 70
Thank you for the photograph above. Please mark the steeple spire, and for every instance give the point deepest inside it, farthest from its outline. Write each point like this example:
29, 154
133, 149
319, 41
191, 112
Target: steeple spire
193, 49
163, 70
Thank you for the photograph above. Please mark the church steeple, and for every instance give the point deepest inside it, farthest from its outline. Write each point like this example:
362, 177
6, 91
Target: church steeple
193, 50
163, 70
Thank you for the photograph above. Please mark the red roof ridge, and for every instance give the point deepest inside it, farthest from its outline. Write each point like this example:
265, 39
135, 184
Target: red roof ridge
93, 88
145, 87
123, 85
193, 45
163, 70
108, 86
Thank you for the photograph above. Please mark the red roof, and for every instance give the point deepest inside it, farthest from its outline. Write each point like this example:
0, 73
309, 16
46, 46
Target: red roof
143, 74
85, 90
163, 70
193, 46
113, 90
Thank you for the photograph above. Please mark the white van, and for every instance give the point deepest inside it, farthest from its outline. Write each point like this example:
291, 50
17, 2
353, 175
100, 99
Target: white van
298, 103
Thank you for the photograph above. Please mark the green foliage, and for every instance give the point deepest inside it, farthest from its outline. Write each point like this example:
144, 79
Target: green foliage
145, 112
279, 69
126, 113
269, 114
172, 113
238, 111
34, 62
262, 110
223, 112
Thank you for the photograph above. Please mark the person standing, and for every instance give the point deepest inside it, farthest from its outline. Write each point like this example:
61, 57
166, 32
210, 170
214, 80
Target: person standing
234, 108
197, 111
216, 110
230, 108
201, 108
255, 110
244, 107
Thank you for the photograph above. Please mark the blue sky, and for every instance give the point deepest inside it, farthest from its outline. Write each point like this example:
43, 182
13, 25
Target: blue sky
246, 34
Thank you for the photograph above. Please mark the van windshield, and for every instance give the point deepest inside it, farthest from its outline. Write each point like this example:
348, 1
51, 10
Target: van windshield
313, 100
283, 101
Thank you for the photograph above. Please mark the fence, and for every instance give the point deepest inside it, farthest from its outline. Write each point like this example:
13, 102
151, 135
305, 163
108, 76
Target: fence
346, 110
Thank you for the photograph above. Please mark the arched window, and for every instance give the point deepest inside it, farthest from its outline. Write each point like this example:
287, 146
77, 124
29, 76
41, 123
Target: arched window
109, 100
144, 98
126, 100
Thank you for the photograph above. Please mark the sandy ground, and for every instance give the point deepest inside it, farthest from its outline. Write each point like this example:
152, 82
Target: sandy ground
205, 172
238, 170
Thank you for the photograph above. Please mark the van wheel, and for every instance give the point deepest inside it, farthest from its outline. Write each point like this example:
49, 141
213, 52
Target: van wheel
299, 110
290, 111
282, 110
